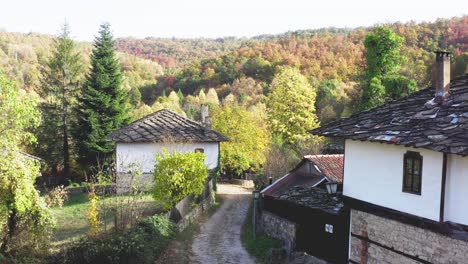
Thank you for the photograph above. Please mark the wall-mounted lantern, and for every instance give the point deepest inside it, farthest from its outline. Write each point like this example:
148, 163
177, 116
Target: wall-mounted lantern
332, 187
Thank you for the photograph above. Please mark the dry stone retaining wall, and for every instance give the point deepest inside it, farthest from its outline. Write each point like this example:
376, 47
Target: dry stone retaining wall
277, 227
376, 239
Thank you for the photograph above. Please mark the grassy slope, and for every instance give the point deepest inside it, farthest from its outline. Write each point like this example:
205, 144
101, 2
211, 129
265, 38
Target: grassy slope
261, 244
72, 221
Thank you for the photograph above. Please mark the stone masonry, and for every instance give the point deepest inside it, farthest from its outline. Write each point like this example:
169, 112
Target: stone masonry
379, 240
277, 227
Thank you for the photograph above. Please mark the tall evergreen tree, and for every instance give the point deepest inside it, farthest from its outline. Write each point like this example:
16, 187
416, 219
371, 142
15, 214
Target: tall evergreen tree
60, 89
103, 106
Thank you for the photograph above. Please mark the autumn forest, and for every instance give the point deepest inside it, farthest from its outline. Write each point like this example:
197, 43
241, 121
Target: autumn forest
247, 75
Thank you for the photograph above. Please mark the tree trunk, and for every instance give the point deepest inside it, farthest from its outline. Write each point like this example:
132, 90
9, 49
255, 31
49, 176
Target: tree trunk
11, 223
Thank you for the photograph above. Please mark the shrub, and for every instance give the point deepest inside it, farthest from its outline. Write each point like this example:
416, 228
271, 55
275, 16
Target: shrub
143, 243
57, 197
93, 214
178, 175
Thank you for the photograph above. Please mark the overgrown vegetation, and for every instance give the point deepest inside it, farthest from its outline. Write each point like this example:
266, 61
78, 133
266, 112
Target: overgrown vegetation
25, 221
260, 245
142, 243
72, 221
178, 175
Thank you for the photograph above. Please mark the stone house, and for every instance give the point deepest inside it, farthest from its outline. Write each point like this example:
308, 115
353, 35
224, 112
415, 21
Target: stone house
297, 209
138, 143
406, 175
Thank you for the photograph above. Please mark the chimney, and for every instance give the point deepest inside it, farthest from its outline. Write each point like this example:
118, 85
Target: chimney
205, 116
442, 74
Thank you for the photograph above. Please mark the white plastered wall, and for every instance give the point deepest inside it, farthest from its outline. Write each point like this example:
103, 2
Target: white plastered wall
374, 173
456, 190
142, 156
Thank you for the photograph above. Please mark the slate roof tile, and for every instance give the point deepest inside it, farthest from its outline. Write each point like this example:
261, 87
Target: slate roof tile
414, 121
166, 125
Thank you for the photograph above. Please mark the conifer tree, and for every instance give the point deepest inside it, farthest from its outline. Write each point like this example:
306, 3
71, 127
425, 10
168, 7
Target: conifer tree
60, 89
103, 106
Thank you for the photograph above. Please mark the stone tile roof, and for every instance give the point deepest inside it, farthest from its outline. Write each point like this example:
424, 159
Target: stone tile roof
332, 166
165, 125
313, 197
418, 120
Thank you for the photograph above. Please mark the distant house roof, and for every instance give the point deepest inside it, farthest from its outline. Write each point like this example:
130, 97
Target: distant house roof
29, 156
310, 172
330, 165
417, 120
313, 197
165, 125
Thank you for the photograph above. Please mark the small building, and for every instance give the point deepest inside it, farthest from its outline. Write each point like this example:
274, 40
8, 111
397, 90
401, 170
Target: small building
298, 210
138, 143
312, 171
406, 175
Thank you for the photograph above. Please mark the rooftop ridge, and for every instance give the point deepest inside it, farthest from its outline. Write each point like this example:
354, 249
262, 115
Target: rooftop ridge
164, 123
411, 121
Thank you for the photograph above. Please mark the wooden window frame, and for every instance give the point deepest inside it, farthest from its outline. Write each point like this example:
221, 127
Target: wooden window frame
413, 155
201, 150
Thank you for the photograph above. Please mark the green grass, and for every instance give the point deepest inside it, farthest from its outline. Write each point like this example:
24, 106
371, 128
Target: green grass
257, 246
72, 221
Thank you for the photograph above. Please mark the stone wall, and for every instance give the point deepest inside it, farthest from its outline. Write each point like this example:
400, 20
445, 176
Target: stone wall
277, 227
185, 212
379, 240
194, 213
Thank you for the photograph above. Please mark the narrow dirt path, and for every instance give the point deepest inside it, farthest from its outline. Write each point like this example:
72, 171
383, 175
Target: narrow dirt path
219, 238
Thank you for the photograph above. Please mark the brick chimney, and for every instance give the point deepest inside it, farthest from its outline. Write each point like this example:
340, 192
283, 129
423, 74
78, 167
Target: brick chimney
442, 74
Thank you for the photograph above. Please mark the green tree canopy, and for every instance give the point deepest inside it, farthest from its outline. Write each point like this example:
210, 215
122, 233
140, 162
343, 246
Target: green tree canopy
374, 94
177, 175
60, 89
24, 219
103, 106
382, 52
383, 81
248, 139
291, 106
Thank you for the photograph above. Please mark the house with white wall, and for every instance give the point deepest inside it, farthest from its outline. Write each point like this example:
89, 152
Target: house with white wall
138, 143
406, 175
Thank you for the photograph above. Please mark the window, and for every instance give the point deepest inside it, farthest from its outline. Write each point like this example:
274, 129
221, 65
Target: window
199, 150
412, 172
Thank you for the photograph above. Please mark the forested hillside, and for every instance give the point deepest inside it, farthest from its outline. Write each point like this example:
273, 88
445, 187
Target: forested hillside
319, 75
333, 61
172, 53
23, 56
